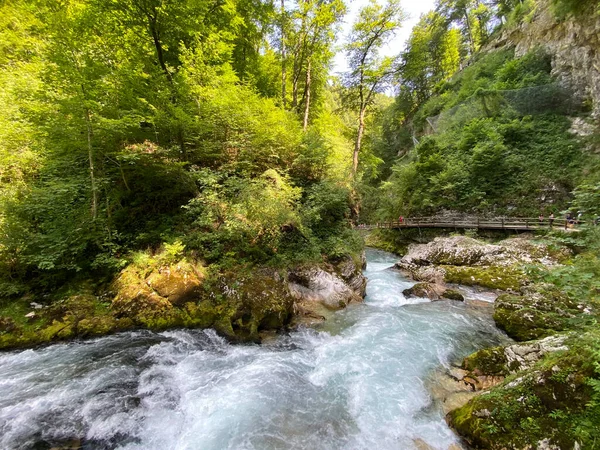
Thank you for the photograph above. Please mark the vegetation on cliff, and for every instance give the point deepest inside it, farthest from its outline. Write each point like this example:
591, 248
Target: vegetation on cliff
493, 138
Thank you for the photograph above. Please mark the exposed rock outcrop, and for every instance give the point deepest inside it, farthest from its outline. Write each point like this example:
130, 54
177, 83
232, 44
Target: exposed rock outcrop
467, 261
547, 382
541, 310
332, 287
573, 44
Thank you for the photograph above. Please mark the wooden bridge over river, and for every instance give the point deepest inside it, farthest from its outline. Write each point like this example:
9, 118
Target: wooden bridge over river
509, 224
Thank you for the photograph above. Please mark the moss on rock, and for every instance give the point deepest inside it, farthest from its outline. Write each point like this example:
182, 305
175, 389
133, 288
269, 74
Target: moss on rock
540, 311
489, 361
547, 404
453, 294
491, 277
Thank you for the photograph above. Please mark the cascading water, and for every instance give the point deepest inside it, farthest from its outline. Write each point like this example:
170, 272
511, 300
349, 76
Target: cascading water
355, 382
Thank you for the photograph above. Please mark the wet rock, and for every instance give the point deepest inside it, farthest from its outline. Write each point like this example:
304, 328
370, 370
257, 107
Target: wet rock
453, 294
449, 392
433, 292
351, 272
457, 374
315, 285
420, 444
253, 303
424, 290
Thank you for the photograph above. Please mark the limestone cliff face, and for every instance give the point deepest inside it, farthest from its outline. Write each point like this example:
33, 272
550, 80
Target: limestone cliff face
574, 44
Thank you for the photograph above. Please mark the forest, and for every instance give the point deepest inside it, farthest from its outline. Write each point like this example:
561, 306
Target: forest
214, 138
219, 126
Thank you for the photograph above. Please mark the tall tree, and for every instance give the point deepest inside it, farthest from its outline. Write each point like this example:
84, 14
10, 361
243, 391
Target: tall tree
433, 55
314, 35
473, 17
369, 72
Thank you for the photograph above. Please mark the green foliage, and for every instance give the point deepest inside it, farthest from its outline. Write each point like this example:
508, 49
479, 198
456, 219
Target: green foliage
577, 8
125, 125
488, 156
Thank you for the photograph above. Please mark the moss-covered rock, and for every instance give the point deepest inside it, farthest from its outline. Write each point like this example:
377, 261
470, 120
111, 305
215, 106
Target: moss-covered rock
156, 292
546, 404
7, 325
178, 283
257, 301
489, 361
541, 311
79, 315
453, 294
491, 277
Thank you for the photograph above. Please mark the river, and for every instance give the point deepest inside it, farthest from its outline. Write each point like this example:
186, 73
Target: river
358, 381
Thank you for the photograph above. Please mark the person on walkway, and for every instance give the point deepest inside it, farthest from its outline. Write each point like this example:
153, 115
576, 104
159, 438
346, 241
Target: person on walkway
401, 220
568, 220
551, 219
541, 219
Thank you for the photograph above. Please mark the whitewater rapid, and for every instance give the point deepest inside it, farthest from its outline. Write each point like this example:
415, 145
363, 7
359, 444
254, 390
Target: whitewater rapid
358, 381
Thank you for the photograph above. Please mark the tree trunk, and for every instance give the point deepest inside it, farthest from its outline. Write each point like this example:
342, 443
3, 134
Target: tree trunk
470, 32
283, 71
359, 136
158, 46
88, 121
307, 101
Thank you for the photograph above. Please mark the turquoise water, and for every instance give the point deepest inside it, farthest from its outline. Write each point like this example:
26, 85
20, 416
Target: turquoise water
354, 382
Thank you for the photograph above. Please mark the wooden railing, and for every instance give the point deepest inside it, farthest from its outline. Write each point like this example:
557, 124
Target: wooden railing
518, 224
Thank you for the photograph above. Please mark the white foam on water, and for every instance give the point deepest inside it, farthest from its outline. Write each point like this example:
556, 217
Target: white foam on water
355, 382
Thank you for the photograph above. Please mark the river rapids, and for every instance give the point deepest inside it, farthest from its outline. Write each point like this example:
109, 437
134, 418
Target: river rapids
358, 381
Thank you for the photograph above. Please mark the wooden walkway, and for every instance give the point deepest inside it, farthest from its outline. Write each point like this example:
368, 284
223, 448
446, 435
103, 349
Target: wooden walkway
511, 224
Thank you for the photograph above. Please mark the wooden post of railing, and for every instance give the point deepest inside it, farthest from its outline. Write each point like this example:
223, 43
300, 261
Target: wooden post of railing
527, 223
503, 223
478, 223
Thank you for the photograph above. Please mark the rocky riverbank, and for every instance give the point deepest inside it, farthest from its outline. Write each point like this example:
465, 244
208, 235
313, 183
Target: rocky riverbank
459, 260
529, 395
157, 293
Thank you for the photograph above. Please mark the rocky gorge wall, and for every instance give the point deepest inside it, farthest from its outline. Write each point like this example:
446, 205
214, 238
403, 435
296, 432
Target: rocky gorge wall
573, 43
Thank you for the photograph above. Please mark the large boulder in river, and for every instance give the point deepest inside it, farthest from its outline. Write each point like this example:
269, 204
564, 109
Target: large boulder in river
432, 292
333, 286
467, 261
315, 285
